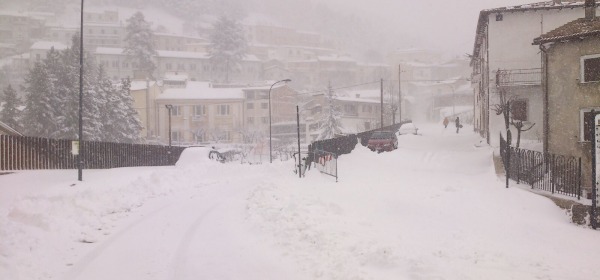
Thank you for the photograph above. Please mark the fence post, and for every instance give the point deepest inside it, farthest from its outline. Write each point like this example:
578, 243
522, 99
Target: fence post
518, 153
579, 180
552, 167
507, 167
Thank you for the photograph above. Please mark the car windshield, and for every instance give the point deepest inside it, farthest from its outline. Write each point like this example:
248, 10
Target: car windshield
382, 135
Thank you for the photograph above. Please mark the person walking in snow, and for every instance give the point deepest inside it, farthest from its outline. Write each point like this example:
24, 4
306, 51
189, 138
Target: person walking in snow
458, 125
446, 121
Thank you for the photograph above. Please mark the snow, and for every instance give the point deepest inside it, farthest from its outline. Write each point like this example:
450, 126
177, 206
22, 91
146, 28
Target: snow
47, 45
201, 90
432, 209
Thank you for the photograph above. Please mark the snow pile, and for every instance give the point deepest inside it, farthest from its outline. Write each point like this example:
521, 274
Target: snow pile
432, 209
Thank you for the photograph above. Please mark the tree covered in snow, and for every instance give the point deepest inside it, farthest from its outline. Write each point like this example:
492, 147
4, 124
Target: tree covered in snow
9, 113
39, 116
139, 46
122, 124
52, 101
228, 45
330, 124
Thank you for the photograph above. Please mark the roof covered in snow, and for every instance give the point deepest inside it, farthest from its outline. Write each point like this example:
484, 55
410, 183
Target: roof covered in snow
46, 45
5, 129
141, 84
206, 91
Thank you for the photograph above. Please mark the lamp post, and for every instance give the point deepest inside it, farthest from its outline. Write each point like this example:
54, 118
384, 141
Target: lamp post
169, 107
80, 156
270, 135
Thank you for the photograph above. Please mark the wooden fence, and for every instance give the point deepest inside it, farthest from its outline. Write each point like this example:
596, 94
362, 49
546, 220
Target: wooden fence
28, 153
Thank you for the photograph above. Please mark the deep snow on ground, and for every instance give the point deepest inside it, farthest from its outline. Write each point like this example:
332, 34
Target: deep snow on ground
433, 209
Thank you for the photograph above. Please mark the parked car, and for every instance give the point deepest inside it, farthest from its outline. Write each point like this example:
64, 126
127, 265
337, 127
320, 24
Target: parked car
383, 141
408, 128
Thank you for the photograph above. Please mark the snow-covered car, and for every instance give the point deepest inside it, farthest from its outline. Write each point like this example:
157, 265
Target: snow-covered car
383, 141
408, 128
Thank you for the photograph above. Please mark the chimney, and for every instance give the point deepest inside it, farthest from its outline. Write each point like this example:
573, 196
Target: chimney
557, 2
590, 9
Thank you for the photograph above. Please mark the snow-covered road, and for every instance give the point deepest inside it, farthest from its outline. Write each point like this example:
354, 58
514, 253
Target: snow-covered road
433, 209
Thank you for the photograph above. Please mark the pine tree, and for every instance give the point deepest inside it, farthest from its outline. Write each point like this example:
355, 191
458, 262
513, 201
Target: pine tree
122, 123
139, 48
330, 124
10, 114
39, 114
228, 45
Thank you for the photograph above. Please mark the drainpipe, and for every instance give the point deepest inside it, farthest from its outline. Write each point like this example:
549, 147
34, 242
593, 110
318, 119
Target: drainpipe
546, 121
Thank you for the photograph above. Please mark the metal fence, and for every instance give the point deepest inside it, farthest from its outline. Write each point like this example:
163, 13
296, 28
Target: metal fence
27, 153
519, 77
326, 162
544, 171
335, 147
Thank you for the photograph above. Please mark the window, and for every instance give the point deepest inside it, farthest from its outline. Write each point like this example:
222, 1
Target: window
265, 120
264, 105
586, 120
222, 110
193, 67
499, 17
590, 68
176, 111
168, 66
249, 105
176, 136
518, 110
199, 110
250, 120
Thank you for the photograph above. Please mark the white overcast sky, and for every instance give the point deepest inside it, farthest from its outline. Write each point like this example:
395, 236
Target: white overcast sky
440, 24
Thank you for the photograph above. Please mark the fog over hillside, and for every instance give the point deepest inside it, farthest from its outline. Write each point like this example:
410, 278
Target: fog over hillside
366, 29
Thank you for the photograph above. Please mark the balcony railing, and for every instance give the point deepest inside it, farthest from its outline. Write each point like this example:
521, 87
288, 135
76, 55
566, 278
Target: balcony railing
519, 77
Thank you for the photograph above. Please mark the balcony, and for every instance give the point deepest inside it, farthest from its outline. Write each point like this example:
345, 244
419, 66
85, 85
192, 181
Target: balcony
519, 77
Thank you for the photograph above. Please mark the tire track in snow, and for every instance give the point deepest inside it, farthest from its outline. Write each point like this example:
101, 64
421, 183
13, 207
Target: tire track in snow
179, 260
96, 252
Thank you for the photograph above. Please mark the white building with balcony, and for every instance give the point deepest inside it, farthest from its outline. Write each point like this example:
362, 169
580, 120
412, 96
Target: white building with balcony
504, 60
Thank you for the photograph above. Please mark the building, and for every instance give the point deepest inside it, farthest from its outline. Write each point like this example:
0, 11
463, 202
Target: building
203, 112
102, 28
39, 50
18, 30
196, 65
7, 130
572, 64
144, 94
174, 42
505, 62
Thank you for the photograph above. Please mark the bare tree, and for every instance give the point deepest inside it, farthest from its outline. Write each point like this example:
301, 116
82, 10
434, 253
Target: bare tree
503, 107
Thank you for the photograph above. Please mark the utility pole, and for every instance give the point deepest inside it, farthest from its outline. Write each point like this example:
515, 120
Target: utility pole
80, 156
381, 88
400, 93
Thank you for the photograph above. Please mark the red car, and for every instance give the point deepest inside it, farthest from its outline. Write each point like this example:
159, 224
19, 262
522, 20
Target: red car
383, 141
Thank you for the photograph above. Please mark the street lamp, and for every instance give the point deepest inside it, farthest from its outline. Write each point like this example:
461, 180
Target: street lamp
80, 136
169, 107
270, 135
